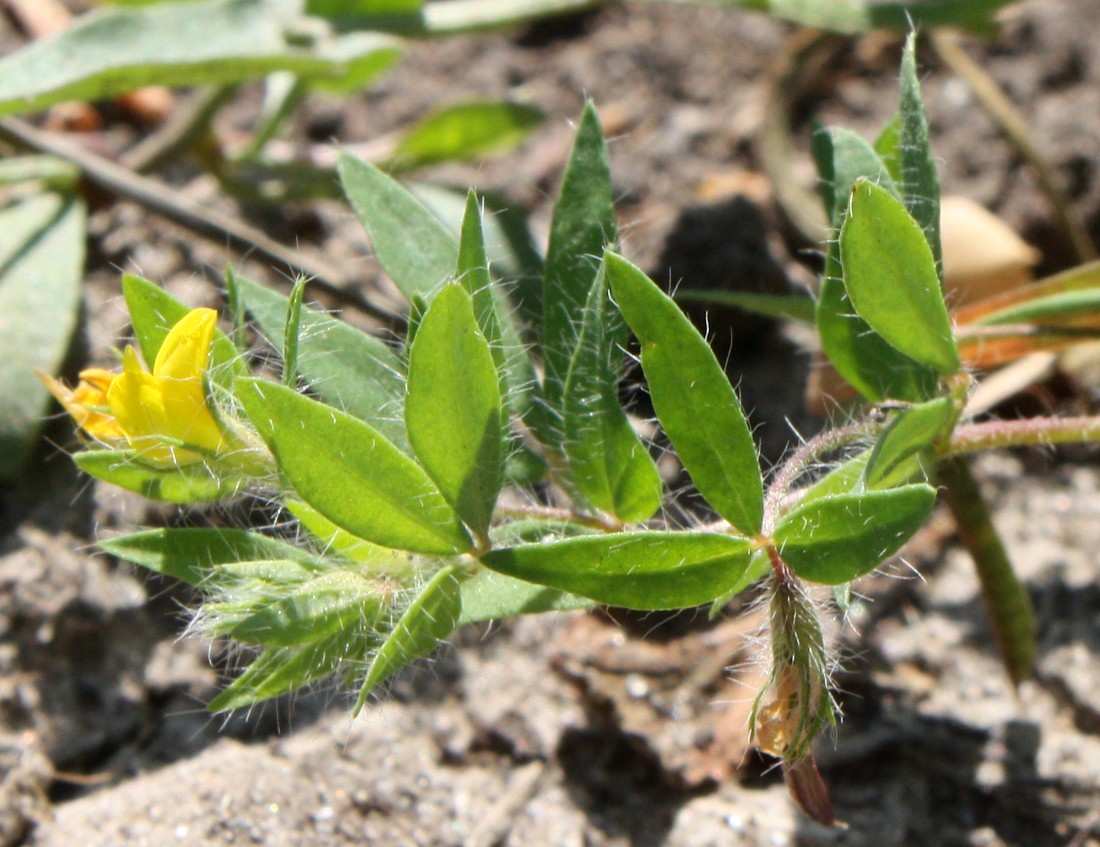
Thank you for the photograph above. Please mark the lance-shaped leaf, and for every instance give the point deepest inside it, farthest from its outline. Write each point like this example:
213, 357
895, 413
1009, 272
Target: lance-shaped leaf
328, 604
279, 670
836, 539
896, 458
215, 42
338, 543
184, 485
887, 147
416, 250
464, 131
41, 264
920, 185
351, 474
610, 468
343, 366
858, 353
453, 408
582, 226
428, 620
491, 596
890, 276
190, 555
694, 400
846, 478
638, 570
491, 304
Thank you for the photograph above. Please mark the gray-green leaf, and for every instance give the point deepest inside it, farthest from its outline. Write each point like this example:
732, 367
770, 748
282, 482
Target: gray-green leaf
428, 620
216, 42
41, 264
920, 182
355, 372
412, 245
582, 226
609, 466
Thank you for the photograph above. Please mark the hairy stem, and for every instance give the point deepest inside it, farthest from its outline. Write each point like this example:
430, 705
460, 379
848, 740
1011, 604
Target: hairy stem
805, 456
1030, 432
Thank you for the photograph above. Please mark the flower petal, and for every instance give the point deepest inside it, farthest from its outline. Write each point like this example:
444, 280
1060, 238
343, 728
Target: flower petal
188, 418
87, 403
185, 353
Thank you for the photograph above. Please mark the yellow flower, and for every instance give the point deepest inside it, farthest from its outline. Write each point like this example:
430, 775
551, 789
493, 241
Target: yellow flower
87, 403
160, 414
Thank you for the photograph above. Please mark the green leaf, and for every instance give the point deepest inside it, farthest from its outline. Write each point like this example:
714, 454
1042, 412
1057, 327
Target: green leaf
53, 172
472, 272
342, 544
842, 157
610, 468
354, 61
192, 555
1051, 309
490, 596
694, 401
153, 313
278, 670
759, 564
860, 355
846, 478
791, 307
328, 604
41, 264
638, 570
896, 458
184, 485
266, 572
515, 369
453, 408
583, 225
293, 333
856, 16
509, 245
464, 131
415, 249
887, 147
343, 366
351, 474
218, 42
527, 530
890, 276
430, 618
836, 539
920, 183
330, 8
